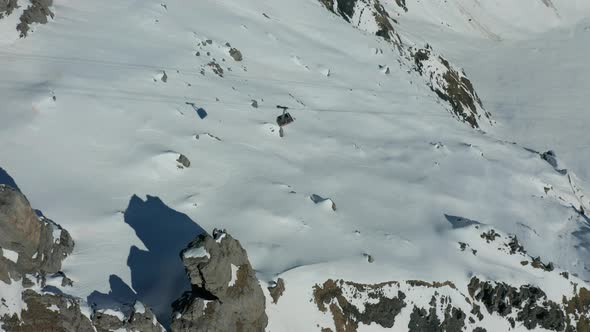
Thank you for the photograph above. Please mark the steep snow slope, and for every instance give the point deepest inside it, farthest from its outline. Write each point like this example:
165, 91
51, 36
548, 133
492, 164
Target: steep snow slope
88, 121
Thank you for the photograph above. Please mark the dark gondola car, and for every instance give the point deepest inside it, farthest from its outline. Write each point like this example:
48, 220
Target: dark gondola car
284, 119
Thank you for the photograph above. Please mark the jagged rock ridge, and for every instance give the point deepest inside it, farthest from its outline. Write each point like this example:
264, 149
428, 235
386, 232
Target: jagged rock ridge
225, 295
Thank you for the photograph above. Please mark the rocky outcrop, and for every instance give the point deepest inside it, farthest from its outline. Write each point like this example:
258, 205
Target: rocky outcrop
33, 248
139, 318
235, 54
448, 82
6, 7
37, 12
225, 295
35, 243
373, 9
276, 290
336, 296
528, 302
449, 309
48, 312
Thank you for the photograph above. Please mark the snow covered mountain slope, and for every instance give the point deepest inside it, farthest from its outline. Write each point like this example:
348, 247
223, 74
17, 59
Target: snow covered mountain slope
375, 181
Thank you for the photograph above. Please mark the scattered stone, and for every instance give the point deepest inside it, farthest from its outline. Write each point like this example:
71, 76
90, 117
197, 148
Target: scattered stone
490, 236
515, 246
370, 258
276, 290
254, 103
462, 246
216, 68
538, 264
235, 54
317, 199
184, 161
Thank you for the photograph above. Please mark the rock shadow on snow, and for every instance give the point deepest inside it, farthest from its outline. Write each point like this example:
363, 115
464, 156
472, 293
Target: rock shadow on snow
460, 222
121, 297
157, 274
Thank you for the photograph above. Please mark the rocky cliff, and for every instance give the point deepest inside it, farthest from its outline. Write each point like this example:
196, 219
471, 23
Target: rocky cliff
225, 295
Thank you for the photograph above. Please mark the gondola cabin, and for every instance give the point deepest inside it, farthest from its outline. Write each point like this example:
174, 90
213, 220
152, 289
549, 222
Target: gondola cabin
284, 119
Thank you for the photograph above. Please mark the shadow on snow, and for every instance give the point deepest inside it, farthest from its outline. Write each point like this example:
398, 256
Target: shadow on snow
158, 276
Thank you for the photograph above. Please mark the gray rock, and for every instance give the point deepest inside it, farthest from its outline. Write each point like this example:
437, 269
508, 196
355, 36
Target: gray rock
37, 316
40, 243
235, 54
37, 12
529, 302
184, 161
225, 295
7, 6
276, 290
136, 320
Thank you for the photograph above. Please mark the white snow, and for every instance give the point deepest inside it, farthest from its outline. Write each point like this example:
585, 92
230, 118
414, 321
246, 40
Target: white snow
383, 147
234, 275
54, 308
10, 254
115, 313
196, 252
139, 307
220, 238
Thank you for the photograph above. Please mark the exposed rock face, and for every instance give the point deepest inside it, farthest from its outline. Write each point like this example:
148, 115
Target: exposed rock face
48, 312
139, 318
37, 12
40, 243
381, 309
530, 303
450, 84
346, 9
225, 295
6, 7
422, 320
59, 312
33, 248
449, 309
